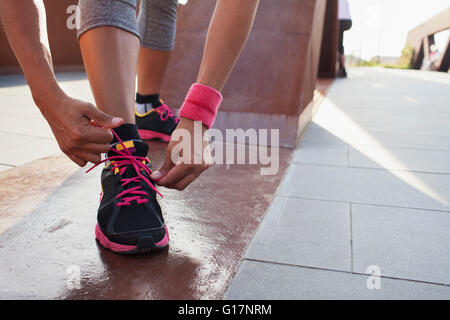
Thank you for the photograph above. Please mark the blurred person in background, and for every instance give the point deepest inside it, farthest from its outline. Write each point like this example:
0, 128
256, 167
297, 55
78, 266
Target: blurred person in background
430, 62
345, 23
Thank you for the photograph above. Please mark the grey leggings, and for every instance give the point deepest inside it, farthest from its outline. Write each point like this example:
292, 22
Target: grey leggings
155, 25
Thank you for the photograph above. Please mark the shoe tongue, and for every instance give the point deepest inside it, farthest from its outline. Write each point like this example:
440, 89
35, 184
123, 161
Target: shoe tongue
135, 147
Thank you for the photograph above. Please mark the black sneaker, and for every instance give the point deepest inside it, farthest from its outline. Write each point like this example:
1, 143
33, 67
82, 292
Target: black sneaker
129, 217
158, 123
342, 73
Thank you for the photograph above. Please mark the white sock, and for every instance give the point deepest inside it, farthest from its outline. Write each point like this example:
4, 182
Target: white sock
143, 108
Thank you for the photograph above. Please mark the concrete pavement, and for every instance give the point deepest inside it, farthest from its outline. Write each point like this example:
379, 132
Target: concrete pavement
364, 210
23, 131
361, 213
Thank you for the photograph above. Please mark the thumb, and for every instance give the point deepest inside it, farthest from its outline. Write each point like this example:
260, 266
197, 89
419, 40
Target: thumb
102, 119
168, 164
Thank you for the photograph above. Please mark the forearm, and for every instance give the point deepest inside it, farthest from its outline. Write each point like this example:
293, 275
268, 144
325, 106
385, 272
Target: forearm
227, 34
25, 26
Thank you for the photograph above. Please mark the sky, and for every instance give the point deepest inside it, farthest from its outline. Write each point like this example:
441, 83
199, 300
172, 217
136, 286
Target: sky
380, 27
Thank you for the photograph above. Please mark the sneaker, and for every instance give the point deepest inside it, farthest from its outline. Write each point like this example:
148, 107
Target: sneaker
129, 217
342, 73
158, 123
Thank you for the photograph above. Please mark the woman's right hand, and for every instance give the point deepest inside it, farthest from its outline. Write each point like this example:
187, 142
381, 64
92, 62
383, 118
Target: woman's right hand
81, 130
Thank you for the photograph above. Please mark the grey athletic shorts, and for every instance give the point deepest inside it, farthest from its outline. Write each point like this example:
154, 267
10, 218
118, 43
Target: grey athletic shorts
155, 26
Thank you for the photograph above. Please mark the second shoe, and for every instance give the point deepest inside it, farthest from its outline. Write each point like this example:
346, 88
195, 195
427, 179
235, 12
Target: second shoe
157, 123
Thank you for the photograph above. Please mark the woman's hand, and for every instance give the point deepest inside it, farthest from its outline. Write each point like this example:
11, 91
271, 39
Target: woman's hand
82, 130
185, 160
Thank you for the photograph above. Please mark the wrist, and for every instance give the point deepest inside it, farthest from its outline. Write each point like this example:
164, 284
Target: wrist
48, 97
189, 124
201, 104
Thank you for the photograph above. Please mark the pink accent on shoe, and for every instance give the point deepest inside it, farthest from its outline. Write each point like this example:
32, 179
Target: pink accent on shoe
201, 104
105, 242
108, 244
165, 113
164, 240
148, 134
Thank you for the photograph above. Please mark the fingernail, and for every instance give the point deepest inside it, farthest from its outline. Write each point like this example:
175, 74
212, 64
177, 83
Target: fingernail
156, 175
116, 121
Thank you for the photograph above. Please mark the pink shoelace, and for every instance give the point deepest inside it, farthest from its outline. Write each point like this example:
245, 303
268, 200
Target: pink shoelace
165, 113
122, 162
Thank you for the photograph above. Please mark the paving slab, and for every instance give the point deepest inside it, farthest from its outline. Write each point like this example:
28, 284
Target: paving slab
316, 133
304, 232
433, 161
376, 157
322, 153
10, 139
4, 167
20, 115
25, 126
380, 107
404, 243
261, 280
23, 188
36, 148
368, 186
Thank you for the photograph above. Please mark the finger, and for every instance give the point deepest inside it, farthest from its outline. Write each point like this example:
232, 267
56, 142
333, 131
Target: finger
166, 167
176, 174
99, 135
95, 148
77, 160
102, 119
90, 157
92, 123
187, 180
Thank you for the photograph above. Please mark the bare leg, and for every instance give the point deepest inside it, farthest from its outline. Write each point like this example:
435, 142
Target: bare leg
152, 65
110, 57
342, 61
228, 31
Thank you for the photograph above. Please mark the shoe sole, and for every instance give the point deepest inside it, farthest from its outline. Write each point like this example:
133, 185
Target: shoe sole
144, 244
150, 135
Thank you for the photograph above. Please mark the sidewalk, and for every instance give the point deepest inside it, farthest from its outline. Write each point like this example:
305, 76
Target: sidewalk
23, 131
368, 190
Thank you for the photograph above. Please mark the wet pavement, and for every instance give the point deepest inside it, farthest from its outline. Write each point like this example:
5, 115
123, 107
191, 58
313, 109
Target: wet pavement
210, 224
364, 209
48, 214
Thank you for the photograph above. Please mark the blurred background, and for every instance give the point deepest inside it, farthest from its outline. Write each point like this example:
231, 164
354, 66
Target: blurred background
399, 34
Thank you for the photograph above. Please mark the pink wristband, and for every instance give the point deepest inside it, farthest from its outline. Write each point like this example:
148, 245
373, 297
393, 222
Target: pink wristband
201, 104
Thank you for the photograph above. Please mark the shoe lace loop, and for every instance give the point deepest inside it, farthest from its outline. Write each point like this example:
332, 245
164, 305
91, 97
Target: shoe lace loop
124, 160
165, 112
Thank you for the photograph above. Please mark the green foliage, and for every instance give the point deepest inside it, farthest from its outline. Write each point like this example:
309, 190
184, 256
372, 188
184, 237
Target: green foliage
404, 62
406, 58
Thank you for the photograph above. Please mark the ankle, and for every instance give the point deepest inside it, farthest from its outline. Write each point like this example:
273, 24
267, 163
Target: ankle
145, 103
127, 131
